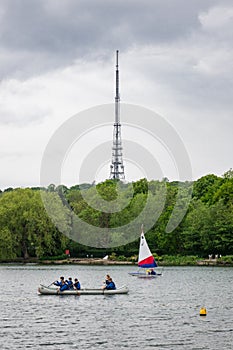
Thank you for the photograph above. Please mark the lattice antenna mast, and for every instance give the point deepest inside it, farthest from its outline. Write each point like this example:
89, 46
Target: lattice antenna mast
117, 167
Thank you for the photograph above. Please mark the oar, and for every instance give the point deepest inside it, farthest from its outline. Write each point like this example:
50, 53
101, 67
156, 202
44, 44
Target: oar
51, 284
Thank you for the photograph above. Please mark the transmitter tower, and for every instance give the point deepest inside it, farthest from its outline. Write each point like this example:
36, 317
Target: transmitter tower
117, 167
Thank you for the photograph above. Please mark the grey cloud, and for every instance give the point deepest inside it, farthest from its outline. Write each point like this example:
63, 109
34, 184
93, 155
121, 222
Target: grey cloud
41, 35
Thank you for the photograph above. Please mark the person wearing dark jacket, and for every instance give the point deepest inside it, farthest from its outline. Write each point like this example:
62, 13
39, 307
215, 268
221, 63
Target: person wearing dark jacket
64, 286
59, 283
77, 284
107, 280
110, 285
69, 282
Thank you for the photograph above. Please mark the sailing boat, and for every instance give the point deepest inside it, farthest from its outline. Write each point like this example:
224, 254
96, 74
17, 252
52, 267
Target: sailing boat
146, 260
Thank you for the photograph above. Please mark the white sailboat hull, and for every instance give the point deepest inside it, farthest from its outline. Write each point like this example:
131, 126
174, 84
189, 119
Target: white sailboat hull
142, 275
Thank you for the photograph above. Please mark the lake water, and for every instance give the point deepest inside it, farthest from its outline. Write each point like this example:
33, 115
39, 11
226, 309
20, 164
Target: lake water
162, 313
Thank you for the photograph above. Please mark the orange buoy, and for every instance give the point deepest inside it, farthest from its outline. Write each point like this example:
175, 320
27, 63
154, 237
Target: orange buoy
203, 311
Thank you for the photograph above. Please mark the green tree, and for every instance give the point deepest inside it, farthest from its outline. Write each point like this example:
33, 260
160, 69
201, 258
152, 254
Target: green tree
225, 192
32, 231
6, 245
205, 187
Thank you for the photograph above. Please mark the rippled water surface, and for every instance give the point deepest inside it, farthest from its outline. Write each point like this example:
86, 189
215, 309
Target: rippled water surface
162, 313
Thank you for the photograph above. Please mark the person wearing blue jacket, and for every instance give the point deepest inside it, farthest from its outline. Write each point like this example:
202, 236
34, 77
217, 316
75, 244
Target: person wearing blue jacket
64, 286
69, 282
107, 280
77, 284
59, 283
110, 285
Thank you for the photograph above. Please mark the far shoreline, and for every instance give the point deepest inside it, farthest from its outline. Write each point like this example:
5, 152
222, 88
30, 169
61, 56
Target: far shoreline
100, 261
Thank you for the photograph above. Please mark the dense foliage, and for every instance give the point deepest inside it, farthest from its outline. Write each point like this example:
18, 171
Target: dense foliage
26, 230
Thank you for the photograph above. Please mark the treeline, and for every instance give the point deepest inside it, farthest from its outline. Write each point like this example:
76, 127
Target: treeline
26, 229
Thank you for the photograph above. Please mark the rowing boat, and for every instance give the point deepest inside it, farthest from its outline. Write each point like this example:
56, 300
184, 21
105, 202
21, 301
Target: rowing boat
55, 291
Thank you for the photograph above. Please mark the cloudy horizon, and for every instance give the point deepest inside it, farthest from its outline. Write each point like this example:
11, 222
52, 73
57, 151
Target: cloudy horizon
57, 59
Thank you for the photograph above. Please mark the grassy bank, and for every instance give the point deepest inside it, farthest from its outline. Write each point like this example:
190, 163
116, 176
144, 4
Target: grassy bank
165, 260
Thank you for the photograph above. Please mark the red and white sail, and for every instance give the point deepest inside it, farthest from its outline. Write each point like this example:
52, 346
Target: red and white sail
145, 258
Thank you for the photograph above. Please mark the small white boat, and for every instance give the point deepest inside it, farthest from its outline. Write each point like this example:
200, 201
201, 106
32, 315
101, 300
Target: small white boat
55, 291
143, 274
146, 261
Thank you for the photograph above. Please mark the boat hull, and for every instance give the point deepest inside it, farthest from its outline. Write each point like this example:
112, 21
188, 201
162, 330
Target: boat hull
144, 274
43, 290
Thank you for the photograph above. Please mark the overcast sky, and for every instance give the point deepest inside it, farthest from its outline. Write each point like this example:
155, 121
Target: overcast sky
57, 58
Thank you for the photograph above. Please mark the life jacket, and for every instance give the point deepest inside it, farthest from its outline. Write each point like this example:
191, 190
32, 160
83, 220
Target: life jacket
111, 285
64, 287
70, 284
77, 285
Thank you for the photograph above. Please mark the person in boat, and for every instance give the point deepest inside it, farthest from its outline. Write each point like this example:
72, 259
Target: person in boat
63, 286
77, 284
107, 280
110, 284
59, 283
69, 282
152, 272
